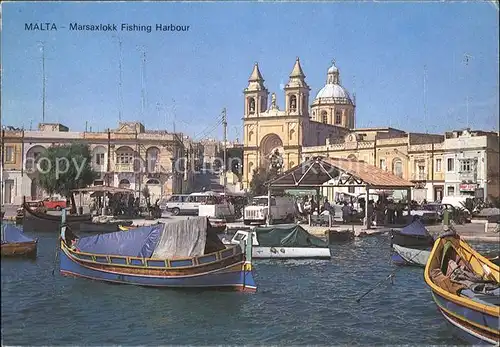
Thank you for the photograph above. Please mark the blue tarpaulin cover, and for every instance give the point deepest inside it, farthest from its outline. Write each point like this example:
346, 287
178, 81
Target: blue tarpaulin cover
185, 238
140, 242
416, 228
11, 234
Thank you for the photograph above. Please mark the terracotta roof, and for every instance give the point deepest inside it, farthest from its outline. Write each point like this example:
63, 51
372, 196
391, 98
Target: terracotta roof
319, 170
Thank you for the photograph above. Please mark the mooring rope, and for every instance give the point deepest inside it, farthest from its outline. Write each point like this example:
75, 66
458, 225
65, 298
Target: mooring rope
390, 276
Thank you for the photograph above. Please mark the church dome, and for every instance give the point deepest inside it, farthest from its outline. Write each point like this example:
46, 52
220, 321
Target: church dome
333, 91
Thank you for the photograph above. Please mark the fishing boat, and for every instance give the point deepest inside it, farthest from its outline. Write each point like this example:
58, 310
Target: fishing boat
38, 221
181, 254
410, 256
284, 242
16, 244
108, 227
412, 235
466, 289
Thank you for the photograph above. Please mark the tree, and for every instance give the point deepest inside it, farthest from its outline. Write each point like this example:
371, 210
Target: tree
65, 168
259, 178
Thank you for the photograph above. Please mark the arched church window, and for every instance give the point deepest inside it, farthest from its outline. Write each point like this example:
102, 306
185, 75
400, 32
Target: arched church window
251, 105
291, 165
324, 116
397, 167
250, 135
290, 136
293, 103
338, 117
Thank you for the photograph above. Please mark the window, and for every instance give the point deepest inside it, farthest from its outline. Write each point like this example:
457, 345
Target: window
124, 158
351, 189
324, 115
382, 164
450, 165
438, 165
338, 117
466, 166
397, 168
450, 191
99, 159
9, 154
293, 103
251, 105
325, 119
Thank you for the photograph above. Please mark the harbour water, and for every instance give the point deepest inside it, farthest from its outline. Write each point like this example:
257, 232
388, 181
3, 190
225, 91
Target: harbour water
298, 302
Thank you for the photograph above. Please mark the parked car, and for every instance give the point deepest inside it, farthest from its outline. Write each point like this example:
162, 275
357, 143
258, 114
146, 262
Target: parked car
54, 204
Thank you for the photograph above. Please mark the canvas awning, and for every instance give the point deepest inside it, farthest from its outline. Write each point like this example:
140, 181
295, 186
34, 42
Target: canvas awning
108, 189
345, 172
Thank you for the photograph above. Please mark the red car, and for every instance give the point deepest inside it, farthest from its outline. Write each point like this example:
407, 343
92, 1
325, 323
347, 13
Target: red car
54, 204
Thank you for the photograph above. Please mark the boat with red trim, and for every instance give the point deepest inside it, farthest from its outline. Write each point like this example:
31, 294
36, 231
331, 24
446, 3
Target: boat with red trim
182, 254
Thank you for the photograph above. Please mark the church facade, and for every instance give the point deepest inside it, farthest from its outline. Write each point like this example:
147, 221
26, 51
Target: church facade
326, 127
268, 130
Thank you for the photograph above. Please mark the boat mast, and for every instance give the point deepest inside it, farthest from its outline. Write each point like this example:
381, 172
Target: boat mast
224, 171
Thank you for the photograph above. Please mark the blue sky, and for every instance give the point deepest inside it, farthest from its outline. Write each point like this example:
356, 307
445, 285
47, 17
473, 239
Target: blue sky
380, 48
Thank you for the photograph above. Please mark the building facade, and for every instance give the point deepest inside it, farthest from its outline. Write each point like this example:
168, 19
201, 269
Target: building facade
457, 163
129, 156
268, 129
472, 162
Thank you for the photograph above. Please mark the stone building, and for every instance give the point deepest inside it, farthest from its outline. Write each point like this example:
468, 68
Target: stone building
471, 163
268, 129
129, 156
457, 163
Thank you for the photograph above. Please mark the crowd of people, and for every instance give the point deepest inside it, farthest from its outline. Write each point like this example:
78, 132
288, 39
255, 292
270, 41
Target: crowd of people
383, 212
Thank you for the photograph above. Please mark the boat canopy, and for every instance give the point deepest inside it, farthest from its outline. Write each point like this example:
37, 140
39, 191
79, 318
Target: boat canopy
180, 239
11, 234
416, 229
289, 235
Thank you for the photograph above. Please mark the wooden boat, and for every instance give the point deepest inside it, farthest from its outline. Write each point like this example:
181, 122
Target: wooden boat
410, 256
284, 242
108, 227
182, 254
334, 236
412, 235
16, 244
466, 289
35, 221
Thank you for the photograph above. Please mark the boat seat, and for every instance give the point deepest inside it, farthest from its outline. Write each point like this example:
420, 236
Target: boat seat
486, 299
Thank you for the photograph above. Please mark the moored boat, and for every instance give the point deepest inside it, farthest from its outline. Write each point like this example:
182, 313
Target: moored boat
106, 227
412, 235
410, 256
16, 244
37, 221
283, 242
466, 289
181, 254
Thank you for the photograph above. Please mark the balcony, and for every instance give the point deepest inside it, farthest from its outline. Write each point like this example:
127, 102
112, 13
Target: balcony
468, 176
124, 167
420, 176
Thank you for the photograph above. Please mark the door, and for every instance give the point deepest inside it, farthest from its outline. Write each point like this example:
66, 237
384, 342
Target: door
438, 193
9, 192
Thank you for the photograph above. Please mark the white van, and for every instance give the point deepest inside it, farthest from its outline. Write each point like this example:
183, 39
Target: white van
455, 201
282, 208
180, 204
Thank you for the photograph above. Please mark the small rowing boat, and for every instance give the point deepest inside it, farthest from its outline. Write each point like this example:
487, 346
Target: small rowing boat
466, 289
16, 244
412, 235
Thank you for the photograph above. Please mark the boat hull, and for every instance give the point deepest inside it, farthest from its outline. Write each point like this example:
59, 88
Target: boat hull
290, 253
89, 227
410, 256
20, 249
34, 221
411, 240
232, 271
474, 320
